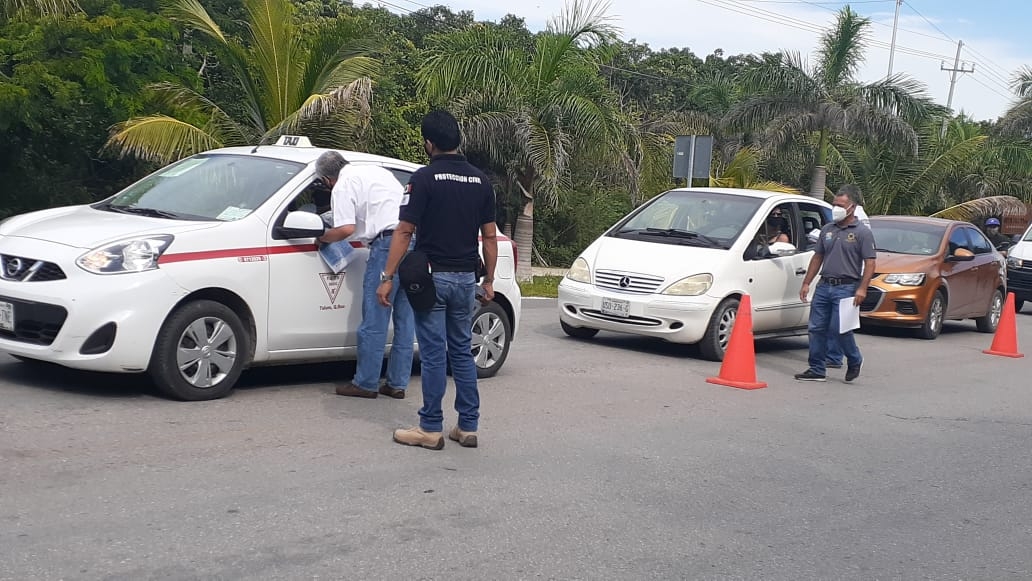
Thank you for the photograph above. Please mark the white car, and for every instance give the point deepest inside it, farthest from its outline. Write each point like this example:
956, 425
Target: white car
677, 267
200, 270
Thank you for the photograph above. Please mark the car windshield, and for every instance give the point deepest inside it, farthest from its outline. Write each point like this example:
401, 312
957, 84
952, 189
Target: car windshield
1028, 236
690, 218
907, 237
205, 187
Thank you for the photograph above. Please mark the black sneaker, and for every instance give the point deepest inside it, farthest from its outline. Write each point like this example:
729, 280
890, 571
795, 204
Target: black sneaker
852, 372
809, 375
832, 365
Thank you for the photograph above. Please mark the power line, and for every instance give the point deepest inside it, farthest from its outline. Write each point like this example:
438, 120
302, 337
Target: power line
930, 23
1005, 96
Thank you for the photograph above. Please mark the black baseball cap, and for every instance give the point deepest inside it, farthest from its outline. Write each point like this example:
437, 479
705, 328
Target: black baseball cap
417, 281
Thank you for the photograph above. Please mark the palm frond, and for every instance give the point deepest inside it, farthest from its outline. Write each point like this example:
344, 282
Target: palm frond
10, 9
193, 15
340, 114
178, 97
977, 209
1022, 83
474, 57
159, 138
277, 55
842, 48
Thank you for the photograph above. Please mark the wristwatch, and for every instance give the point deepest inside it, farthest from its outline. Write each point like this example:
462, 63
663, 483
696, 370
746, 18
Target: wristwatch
385, 278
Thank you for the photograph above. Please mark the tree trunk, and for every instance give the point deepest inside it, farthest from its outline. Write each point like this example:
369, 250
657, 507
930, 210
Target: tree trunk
524, 233
820, 177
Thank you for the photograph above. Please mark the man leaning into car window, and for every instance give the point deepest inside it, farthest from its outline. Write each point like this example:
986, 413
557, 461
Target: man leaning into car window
365, 201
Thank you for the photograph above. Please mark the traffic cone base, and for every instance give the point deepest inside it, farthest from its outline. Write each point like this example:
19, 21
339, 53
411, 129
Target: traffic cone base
1005, 341
738, 369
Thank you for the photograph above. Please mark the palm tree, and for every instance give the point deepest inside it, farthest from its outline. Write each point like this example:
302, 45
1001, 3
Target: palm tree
744, 170
1018, 120
13, 8
529, 112
793, 100
317, 84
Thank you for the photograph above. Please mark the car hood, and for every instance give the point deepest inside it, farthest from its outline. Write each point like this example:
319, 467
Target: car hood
86, 227
670, 261
891, 263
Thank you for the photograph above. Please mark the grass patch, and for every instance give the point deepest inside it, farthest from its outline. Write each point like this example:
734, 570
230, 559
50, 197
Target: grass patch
542, 286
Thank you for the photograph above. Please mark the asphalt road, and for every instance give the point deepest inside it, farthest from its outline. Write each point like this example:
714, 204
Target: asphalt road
602, 459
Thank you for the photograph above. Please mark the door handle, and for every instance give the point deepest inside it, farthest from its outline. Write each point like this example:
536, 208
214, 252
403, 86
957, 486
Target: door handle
800, 272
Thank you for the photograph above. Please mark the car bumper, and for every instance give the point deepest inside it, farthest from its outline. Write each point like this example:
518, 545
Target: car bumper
674, 319
1019, 282
890, 304
85, 321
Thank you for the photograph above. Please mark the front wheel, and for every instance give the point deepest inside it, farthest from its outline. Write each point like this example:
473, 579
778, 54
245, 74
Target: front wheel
578, 332
718, 333
991, 320
200, 352
933, 321
492, 333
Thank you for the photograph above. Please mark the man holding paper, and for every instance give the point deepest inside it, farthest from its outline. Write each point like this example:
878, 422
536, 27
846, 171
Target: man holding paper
366, 201
845, 257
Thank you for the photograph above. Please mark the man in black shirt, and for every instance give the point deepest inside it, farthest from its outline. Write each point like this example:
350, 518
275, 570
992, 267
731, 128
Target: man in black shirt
450, 202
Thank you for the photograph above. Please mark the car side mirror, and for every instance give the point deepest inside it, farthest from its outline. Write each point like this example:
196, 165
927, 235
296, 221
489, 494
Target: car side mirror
302, 225
961, 256
757, 251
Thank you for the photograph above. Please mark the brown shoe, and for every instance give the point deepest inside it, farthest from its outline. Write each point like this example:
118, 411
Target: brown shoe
352, 390
465, 439
417, 437
392, 391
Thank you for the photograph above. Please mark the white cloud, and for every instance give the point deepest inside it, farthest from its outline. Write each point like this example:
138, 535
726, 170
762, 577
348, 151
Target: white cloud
703, 28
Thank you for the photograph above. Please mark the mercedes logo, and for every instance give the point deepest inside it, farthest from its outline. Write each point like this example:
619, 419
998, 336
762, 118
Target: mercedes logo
625, 282
13, 267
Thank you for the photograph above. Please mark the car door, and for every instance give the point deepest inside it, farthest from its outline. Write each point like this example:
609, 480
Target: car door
777, 279
986, 266
961, 276
310, 307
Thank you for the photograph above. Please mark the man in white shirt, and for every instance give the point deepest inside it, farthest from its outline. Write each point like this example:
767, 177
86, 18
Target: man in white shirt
366, 200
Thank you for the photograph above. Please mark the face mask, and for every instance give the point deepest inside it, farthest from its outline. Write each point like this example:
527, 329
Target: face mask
774, 221
839, 213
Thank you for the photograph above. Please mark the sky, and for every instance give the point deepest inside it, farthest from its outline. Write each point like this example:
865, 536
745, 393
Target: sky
995, 34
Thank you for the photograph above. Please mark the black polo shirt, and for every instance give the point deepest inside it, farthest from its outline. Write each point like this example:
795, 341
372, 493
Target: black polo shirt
448, 201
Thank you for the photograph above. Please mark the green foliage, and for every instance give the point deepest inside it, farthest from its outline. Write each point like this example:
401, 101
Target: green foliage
582, 215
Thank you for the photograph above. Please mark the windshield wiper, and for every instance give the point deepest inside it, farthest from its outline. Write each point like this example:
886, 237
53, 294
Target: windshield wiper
686, 234
887, 250
152, 212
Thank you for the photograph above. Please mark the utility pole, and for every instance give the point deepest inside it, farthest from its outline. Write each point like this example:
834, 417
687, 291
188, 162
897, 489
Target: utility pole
892, 46
953, 80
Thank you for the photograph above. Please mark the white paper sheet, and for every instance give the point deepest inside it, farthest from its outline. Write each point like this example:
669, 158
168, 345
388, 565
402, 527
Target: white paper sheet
848, 315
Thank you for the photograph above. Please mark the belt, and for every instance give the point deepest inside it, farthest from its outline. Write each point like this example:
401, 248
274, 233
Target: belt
837, 281
384, 234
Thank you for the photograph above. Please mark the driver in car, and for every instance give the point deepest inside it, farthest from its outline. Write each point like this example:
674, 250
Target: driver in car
998, 239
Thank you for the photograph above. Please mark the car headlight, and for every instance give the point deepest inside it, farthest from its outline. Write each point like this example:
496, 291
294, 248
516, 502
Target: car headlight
691, 286
1014, 262
135, 255
579, 271
909, 279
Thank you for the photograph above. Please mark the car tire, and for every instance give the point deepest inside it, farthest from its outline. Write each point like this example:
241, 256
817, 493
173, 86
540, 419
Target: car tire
718, 333
991, 320
200, 352
578, 332
492, 334
1018, 303
936, 315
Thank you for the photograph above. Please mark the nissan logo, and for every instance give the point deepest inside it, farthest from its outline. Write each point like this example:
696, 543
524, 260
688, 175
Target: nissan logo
13, 266
625, 282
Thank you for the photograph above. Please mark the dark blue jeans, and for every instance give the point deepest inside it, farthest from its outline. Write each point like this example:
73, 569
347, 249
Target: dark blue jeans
445, 333
824, 326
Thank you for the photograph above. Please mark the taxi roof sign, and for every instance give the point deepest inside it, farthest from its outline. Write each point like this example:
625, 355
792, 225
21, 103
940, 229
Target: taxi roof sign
294, 141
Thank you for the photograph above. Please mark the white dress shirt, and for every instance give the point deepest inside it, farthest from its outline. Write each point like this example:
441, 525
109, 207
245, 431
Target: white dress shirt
368, 197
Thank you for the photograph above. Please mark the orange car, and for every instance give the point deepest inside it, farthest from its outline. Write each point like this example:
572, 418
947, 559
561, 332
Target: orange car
930, 270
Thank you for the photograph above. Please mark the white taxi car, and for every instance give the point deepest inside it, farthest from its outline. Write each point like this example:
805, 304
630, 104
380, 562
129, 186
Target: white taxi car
677, 267
200, 270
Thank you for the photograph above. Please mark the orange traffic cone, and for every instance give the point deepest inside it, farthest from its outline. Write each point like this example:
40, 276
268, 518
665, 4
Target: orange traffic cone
1005, 342
739, 366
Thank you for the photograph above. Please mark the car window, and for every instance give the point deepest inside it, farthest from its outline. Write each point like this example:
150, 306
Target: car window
813, 217
401, 175
778, 226
690, 218
205, 187
959, 239
908, 237
979, 243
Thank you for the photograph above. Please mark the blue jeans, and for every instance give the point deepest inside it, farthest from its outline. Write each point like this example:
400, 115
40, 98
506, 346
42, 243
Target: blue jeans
372, 333
824, 326
445, 334
834, 350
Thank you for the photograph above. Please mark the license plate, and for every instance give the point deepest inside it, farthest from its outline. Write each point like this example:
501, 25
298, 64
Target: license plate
616, 307
6, 316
